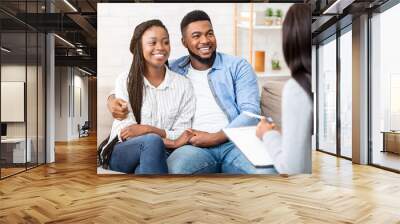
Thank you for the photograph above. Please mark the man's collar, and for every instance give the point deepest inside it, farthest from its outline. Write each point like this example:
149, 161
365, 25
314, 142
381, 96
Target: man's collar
216, 65
185, 62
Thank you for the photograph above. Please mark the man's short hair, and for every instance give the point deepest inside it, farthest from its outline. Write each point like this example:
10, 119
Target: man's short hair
193, 16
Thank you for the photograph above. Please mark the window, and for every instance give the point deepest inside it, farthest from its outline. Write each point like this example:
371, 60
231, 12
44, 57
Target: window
385, 89
346, 94
22, 65
327, 97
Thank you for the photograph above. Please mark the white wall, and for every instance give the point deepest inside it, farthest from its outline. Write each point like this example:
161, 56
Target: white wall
115, 25
33, 127
12, 73
66, 119
80, 82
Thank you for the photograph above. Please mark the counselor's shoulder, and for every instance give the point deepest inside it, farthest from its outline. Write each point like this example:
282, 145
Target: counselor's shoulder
295, 97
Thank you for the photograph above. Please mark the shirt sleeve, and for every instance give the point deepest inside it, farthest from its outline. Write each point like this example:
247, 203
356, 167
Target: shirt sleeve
121, 92
185, 113
247, 95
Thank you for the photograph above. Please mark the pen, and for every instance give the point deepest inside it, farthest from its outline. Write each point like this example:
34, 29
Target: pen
247, 113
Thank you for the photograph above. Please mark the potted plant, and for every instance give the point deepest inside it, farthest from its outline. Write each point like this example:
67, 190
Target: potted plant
269, 13
278, 15
275, 64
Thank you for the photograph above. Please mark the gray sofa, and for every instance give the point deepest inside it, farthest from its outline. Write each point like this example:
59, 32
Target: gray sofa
271, 94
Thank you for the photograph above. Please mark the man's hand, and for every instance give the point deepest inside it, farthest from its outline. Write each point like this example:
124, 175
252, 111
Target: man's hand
204, 139
263, 127
181, 141
134, 130
117, 107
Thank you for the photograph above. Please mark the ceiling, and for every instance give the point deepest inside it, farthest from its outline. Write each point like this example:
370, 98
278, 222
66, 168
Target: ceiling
329, 16
74, 21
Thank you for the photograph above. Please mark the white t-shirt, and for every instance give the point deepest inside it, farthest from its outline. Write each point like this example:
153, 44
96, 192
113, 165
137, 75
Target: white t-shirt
208, 116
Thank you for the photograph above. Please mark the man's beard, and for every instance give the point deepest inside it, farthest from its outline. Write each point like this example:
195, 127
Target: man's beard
207, 61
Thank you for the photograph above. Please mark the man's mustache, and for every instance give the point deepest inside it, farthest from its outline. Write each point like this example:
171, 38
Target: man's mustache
206, 61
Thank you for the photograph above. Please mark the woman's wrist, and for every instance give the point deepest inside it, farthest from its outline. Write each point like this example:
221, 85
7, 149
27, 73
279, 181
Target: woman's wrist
151, 129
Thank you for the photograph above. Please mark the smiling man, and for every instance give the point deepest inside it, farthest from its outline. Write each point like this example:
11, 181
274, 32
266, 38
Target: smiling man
225, 86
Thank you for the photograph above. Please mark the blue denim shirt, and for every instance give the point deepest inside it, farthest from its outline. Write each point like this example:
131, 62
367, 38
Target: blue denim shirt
233, 84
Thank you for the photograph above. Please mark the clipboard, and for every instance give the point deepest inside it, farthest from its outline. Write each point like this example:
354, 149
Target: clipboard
250, 145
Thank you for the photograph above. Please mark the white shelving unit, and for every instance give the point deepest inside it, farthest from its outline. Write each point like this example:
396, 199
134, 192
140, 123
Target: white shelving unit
252, 35
258, 27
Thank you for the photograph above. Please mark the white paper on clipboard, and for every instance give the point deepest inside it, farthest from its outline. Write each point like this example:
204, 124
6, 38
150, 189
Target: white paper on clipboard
252, 147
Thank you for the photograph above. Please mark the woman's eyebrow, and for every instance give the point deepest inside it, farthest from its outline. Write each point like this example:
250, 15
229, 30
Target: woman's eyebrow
155, 38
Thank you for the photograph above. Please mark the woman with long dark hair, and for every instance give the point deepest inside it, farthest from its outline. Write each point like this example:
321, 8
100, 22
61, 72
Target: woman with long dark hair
291, 149
161, 105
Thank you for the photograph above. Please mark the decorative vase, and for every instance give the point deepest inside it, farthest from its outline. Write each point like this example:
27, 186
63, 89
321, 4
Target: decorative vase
259, 61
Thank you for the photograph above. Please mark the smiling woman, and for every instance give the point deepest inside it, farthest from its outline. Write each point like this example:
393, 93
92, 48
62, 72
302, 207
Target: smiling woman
160, 104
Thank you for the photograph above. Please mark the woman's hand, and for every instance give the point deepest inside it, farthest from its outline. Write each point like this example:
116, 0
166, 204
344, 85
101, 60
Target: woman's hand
134, 130
184, 138
181, 141
117, 107
263, 127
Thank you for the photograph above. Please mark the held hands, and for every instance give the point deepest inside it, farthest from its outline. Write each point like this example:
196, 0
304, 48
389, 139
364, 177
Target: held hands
118, 108
263, 127
205, 139
196, 138
181, 141
134, 130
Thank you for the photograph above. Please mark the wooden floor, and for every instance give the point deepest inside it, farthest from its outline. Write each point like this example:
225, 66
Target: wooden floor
387, 159
69, 191
10, 171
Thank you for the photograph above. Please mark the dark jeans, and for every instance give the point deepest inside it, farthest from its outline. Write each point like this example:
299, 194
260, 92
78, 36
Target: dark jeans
140, 155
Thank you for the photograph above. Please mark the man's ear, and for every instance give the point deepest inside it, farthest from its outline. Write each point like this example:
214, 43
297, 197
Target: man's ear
184, 42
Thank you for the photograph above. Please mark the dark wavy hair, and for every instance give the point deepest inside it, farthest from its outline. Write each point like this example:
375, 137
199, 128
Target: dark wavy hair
135, 80
296, 34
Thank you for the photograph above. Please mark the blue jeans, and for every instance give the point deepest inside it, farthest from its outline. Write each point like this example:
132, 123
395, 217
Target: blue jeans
225, 158
140, 155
